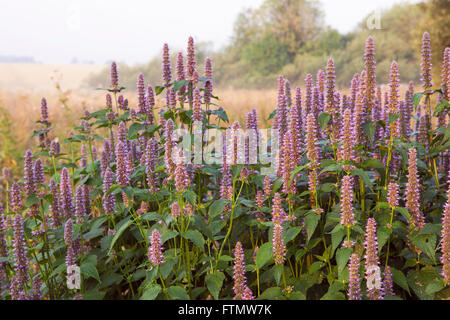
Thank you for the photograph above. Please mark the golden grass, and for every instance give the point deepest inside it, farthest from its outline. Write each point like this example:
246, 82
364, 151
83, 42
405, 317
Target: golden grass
38, 77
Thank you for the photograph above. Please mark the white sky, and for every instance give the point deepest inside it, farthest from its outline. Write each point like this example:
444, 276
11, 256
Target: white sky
56, 31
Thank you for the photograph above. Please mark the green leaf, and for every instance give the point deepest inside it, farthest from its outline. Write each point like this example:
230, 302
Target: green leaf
337, 236
381, 205
291, 233
168, 234
134, 129
393, 117
118, 234
383, 234
364, 176
264, 254
217, 207
214, 282
334, 292
177, 85
88, 269
372, 163
400, 279
277, 273
434, 286
167, 267
270, 294
31, 200
151, 292
177, 293
404, 212
426, 243
159, 89
444, 105
196, 237
369, 129
297, 170
311, 221
272, 114
416, 98
342, 256
324, 118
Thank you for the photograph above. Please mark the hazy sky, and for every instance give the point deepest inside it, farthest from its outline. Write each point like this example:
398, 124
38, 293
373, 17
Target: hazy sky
56, 31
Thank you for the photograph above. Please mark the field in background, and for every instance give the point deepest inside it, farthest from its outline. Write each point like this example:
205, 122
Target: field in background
38, 77
67, 98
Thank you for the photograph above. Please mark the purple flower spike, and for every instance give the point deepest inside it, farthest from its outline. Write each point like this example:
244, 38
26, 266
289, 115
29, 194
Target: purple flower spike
114, 76
141, 94
109, 202
15, 198
267, 186
197, 115
354, 290
191, 63
176, 212
182, 180
38, 171
412, 192
209, 83
388, 286
123, 178
166, 68
330, 85
426, 62
371, 257
80, 204
181, 75
393, 194
155, 249
278, 214
240, 281
445, 239
279, 248
394, 106
347, 215
65, 194
44, 111
370, 66
30, 187
346, 150
19, 249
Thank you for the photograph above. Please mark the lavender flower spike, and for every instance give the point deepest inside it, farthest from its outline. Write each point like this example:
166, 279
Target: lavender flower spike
426, 62
393, 194
109, 201
114, 77
347, 215
44, 111
240, 281
155, 250
371, 263
445, 239
65, 194
166, 68
279, 248
388, 287
121, 163
30, 187
412, 192
15, 198
191, 63
20, 259
354, 290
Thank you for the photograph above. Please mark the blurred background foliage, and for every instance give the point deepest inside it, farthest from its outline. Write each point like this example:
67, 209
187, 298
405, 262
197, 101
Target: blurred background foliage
290, 37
